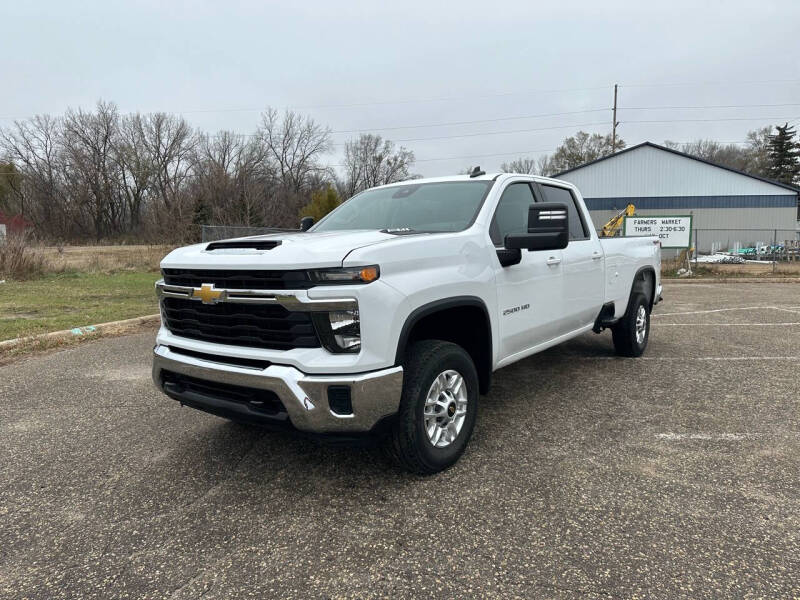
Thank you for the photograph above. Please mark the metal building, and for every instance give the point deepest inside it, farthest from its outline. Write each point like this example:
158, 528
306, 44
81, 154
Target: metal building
730, 208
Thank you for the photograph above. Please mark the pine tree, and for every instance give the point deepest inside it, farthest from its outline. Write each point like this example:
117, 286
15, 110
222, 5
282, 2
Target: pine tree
784, 155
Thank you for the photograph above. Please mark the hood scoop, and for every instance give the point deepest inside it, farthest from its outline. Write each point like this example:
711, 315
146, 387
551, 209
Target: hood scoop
243, 245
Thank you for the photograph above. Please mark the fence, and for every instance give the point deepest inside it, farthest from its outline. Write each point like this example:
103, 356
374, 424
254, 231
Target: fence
212, 233
766, 244
755, 244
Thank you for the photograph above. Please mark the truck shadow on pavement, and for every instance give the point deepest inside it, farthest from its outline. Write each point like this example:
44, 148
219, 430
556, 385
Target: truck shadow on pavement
527, 399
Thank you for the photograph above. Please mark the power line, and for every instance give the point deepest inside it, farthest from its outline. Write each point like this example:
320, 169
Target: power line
371, 103
449, 123
479, 134
448, 98
707, 106
710, 83
708, 120
624, 122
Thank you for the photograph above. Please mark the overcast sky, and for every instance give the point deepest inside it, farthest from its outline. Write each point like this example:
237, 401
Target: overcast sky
375, 65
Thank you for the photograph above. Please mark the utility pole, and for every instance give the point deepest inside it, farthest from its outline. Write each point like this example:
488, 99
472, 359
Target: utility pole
614, 124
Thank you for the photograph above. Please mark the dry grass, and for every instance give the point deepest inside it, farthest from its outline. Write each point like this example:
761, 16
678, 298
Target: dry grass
19, 259
103, 259
22, 260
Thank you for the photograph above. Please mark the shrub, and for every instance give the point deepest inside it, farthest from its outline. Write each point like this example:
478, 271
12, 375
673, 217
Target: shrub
19, 259
322, 202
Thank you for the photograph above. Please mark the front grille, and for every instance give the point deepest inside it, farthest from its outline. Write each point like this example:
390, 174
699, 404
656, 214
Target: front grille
239, 279
263, 401
253, 325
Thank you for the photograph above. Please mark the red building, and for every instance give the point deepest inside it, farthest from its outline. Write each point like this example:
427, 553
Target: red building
14, 223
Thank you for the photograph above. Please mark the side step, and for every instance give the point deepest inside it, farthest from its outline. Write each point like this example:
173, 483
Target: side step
605, 319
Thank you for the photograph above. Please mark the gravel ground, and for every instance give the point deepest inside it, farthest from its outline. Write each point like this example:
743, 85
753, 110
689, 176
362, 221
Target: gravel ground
675, 475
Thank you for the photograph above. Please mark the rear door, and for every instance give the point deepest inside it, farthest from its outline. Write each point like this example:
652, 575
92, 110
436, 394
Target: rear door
582, 266
529, 294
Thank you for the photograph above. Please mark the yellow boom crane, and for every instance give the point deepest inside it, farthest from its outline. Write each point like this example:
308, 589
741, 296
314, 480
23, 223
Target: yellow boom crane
612, 228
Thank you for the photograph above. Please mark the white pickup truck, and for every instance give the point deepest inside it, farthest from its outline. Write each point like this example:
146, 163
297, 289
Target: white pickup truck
390, 315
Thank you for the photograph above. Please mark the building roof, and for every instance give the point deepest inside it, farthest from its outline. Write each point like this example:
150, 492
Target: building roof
685, 155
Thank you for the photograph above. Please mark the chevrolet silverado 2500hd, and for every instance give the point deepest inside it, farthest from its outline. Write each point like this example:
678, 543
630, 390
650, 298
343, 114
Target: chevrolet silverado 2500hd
390, 315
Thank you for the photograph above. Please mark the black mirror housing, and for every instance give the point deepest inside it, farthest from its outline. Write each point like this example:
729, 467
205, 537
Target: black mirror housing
548, 228
306, 223
509, 256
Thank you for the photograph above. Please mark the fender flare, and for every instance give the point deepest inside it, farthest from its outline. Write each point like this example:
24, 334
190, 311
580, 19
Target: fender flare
432, 307
652, 293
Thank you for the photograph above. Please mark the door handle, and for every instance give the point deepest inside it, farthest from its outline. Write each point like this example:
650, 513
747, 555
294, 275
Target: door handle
553, 260
596, 256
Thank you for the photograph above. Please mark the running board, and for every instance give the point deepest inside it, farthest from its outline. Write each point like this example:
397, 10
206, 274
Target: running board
605, 319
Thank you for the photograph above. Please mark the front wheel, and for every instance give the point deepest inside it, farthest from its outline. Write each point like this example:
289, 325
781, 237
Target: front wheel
437, 409
631, 332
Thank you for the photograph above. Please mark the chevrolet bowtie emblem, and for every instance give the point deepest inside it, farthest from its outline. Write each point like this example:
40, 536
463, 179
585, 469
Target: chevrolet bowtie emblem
208, 294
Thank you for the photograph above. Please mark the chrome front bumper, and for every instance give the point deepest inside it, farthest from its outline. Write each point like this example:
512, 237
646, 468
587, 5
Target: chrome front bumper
373, 395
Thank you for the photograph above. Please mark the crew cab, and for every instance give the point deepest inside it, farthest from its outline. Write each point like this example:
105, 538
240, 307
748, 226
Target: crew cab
390, 315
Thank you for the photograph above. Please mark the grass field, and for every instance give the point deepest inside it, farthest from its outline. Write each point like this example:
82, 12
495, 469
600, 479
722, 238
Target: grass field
69, 300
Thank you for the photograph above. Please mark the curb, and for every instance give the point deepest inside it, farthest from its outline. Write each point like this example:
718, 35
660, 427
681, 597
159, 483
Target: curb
687, 280
78, 331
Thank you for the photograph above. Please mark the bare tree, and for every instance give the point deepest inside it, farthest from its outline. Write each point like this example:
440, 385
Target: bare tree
169, 141
230, 184
91, 173
370, 160
529, 166
294, 146
135, 167
34, 147
579, 149
753, 157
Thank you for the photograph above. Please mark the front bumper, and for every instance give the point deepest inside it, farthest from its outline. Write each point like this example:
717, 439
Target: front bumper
373, 395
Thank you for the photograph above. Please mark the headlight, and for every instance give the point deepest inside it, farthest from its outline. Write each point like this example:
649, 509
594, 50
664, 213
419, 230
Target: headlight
339, 331
345, 275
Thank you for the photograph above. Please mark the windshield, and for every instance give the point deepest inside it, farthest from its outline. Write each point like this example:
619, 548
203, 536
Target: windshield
424, 207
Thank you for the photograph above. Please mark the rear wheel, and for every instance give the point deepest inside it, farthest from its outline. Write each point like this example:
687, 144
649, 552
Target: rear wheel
631, 332
437, 409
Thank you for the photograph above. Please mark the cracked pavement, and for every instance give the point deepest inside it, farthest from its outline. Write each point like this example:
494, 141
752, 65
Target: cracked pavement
591, 476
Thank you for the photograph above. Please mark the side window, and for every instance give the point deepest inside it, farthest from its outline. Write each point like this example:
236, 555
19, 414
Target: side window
511, 215
577, 228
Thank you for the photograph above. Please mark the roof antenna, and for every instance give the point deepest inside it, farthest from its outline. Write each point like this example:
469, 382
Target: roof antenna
476, 172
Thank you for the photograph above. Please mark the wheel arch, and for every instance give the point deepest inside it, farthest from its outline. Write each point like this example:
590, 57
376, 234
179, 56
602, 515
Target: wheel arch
444, 320
644, 280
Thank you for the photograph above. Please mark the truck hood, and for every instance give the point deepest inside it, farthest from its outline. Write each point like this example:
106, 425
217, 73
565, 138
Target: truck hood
295, 251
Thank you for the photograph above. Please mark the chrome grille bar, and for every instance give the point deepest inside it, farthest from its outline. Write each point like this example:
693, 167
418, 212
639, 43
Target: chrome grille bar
289, 300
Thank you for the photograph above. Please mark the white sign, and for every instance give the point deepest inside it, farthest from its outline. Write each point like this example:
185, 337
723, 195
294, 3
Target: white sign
672, 231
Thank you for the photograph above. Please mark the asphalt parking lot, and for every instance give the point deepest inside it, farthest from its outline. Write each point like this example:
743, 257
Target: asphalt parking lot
675, 475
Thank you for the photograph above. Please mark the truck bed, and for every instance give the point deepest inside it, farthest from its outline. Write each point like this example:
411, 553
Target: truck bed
624, 257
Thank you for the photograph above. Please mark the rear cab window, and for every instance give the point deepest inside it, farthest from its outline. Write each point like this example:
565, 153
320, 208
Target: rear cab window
577, 226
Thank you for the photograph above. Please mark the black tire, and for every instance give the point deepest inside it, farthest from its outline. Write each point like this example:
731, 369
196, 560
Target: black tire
408, 443
624, 331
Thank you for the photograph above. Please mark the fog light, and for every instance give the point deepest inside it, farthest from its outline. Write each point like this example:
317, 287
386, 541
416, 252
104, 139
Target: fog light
339, 400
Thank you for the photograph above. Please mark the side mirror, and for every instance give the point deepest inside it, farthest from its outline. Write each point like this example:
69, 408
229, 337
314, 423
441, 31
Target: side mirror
548, 228
306, 223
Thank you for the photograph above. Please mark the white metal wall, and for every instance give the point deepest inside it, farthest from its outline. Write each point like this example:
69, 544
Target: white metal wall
648, 171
